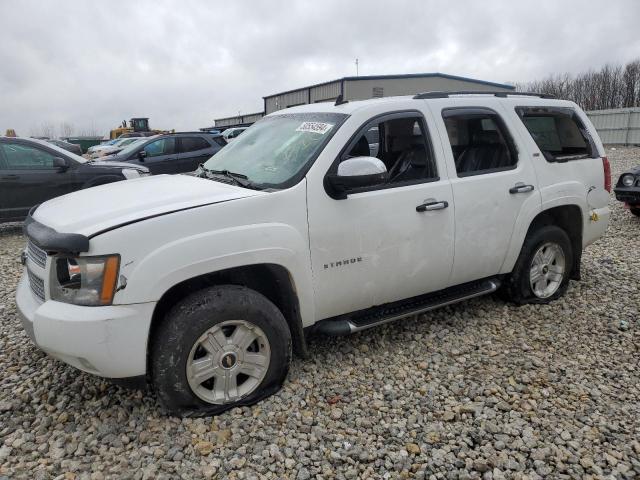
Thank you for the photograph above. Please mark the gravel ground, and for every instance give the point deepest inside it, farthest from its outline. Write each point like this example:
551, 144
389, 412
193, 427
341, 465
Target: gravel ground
478, 390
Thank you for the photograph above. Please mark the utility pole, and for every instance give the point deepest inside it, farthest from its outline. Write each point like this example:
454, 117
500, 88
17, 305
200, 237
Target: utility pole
357, 67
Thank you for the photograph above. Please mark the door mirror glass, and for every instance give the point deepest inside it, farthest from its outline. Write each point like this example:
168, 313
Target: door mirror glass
60, 163
358, 172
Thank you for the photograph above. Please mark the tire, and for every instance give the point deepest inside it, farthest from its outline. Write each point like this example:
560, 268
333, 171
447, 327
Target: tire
546, 241
209, 318
635, 211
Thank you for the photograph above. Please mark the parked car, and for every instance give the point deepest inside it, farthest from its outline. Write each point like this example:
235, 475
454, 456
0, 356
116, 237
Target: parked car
34, 171
204, 284
113, 148
627, 190
106, 143
232, 133
69, 147
170, 153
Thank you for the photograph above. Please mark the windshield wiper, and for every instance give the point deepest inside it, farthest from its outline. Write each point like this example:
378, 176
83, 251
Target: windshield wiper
238, 178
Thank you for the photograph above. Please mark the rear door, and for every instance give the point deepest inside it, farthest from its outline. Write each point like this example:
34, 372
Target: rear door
194, 150
493, 183
28, 177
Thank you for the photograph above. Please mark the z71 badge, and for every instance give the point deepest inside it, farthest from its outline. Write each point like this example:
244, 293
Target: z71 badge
342, 263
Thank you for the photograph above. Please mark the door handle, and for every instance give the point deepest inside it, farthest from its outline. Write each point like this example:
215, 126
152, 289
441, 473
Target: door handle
431, 204
9, 177
521, 188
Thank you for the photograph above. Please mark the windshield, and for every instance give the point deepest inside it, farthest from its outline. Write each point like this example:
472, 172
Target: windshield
276, 151
133, 146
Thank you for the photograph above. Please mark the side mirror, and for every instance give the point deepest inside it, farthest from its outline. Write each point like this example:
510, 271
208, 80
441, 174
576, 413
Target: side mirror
142, 154
357, 172
61, 164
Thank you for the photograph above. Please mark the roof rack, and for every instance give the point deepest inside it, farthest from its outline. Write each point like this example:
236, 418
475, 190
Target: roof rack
439, 94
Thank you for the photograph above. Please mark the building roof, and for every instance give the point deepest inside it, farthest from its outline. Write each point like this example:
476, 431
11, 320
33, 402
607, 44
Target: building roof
401, 76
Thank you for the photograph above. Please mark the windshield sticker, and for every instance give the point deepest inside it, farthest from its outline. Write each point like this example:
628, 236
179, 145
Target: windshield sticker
314, 127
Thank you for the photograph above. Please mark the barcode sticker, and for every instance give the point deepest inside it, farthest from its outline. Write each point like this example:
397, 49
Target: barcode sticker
314, 127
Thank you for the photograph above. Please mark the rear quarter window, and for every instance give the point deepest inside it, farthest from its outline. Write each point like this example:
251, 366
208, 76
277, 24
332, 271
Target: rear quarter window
559, 133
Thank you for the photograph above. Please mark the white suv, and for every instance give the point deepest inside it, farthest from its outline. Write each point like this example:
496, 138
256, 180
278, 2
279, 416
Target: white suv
203, 284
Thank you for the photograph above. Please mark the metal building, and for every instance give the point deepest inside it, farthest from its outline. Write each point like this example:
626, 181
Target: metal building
362, 88
238, 121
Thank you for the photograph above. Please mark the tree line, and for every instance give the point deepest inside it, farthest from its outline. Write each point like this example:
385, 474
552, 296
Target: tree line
613, 86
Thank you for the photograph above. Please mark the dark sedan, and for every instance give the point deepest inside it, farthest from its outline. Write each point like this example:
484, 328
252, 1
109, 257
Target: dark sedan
69, 147
34, 171
172, 152
627, 190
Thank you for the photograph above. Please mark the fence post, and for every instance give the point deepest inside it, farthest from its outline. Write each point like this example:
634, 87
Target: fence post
626, 137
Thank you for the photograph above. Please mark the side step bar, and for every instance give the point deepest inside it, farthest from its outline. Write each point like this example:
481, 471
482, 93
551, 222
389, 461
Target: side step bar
371, 317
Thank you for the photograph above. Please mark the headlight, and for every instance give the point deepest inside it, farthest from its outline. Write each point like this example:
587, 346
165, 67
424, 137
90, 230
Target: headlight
130, 173
628, 180
85, 280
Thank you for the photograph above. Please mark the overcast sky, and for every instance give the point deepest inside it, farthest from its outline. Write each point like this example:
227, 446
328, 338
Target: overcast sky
184, 63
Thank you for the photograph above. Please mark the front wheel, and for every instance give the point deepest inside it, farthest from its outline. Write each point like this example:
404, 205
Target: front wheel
222, 347
541, 273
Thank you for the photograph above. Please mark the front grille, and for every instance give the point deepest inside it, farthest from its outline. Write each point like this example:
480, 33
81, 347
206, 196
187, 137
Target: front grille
37, 285
36, 254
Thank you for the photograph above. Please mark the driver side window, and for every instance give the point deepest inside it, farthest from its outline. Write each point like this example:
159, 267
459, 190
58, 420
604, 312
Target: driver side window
162, 146
402, 144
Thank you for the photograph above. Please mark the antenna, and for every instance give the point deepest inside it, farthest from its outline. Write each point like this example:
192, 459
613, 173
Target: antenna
357, 67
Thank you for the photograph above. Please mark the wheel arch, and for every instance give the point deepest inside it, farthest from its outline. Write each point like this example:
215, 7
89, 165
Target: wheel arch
569, 218
273, 281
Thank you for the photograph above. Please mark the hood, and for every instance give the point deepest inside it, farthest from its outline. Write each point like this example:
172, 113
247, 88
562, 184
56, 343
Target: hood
95, 209
119, 165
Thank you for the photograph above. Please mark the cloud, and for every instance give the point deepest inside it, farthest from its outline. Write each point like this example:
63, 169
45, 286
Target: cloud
185, 63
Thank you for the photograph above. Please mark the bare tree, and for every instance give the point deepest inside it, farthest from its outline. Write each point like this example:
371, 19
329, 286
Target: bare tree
46, 129
613, 86
66, 129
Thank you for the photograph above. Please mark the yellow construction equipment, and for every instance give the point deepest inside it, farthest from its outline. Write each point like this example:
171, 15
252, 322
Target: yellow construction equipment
10, 133
136, 125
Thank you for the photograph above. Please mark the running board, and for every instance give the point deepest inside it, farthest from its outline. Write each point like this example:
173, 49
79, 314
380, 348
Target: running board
374, 316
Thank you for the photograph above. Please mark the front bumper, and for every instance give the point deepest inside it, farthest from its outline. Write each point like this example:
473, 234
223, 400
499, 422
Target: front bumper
107, 341
630, 195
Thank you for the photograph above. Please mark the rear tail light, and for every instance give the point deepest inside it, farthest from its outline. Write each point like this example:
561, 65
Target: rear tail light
607, 174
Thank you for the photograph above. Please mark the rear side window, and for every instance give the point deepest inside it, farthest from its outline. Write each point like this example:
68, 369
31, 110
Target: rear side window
480, 142
192, 144
558, 132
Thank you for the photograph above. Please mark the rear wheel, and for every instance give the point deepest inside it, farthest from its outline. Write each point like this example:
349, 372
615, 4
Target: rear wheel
542, 271
222, 347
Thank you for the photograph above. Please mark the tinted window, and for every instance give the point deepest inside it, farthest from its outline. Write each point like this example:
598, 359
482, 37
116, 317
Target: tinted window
163, 146
402, 145
558, 132
19, 156
191, 144
479, 141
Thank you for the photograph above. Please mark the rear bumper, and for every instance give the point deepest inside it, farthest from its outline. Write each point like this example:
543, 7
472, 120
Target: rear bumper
106, 341
630, 195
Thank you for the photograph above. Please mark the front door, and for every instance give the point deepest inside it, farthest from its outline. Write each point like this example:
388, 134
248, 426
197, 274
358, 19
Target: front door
493, 183
381, 244
28, 177
161, 156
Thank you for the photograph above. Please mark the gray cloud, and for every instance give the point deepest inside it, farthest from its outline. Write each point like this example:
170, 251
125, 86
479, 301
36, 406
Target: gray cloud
185, 63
